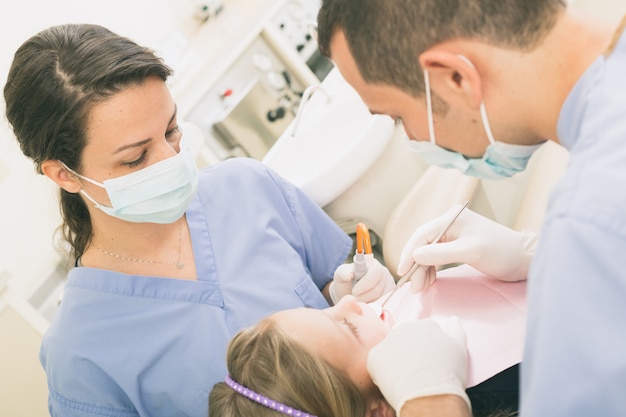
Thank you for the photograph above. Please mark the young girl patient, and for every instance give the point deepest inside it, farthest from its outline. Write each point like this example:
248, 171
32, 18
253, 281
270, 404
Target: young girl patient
313, 362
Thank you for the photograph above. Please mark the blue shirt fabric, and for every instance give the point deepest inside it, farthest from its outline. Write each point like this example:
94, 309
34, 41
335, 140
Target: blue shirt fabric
124, 345
575, 354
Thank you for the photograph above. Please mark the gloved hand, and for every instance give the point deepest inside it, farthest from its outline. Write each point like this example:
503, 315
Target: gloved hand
420, 359
376, 282
490, 247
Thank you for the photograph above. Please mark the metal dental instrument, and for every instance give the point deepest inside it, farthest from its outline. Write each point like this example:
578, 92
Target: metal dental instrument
404, 278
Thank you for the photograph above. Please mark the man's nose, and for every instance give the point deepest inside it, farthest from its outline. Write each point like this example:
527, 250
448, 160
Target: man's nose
408, 132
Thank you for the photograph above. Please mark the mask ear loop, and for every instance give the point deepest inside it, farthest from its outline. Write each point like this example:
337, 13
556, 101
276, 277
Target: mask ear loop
483, 110
429, 107
483, 116
83, 192
81, 177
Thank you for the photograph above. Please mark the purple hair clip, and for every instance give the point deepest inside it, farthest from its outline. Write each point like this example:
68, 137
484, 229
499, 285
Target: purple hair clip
267, 402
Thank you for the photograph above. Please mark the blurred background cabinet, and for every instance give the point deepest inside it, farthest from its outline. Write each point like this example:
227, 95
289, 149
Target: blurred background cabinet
23, 387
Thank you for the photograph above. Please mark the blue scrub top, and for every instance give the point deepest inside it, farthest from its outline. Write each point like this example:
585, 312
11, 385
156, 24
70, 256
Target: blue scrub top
575, 354
127, 345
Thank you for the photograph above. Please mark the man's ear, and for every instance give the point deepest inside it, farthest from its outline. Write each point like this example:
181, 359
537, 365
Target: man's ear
380, 408
453, 77
61, 176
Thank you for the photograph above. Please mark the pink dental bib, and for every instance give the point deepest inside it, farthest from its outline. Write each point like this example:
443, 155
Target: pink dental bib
493, 314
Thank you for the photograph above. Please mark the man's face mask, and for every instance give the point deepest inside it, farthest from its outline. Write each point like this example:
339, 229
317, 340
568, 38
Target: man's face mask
501, 160
159, 193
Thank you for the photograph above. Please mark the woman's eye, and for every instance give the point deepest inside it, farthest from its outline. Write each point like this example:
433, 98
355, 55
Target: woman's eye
136, 162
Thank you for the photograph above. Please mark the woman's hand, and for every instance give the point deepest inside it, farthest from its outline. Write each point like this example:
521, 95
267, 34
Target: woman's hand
376, 282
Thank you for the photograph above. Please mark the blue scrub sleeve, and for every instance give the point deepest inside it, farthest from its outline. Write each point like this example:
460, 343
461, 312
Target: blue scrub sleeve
577, 304
327, 245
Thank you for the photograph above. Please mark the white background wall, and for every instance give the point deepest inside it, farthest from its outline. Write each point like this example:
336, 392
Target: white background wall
610, 9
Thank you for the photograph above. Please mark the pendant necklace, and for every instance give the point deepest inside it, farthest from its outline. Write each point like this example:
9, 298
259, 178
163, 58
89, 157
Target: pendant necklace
179, 264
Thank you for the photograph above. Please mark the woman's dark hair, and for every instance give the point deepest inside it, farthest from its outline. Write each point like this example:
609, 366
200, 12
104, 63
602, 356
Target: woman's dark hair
55, 78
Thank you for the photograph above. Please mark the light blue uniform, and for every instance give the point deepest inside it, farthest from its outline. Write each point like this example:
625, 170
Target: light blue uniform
575, 362
124, 345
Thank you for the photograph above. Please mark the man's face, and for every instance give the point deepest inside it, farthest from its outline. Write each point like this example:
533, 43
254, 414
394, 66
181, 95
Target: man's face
456, 129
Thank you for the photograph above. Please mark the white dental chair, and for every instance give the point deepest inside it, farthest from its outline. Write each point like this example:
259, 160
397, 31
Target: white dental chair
548, 164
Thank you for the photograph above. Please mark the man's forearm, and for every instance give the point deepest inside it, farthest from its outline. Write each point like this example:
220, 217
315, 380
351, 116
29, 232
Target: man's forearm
436, 406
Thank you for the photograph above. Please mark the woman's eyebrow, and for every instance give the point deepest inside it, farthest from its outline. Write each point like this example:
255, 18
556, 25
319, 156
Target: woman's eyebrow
143, 142
132, 145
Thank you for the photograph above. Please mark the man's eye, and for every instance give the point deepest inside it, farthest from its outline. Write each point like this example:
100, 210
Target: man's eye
170, 132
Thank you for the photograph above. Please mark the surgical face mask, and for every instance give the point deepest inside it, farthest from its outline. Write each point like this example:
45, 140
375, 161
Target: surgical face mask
501, 160
159, 193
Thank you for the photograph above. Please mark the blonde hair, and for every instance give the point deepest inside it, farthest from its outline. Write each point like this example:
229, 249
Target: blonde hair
265, 359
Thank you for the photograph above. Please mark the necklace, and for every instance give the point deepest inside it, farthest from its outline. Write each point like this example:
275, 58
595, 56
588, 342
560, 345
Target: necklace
179, 264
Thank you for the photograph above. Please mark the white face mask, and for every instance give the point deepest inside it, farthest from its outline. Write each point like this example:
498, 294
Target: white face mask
159, 193
501, 160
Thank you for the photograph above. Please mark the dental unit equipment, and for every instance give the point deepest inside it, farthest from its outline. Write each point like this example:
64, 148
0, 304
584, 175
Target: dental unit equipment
306, 95
414, 267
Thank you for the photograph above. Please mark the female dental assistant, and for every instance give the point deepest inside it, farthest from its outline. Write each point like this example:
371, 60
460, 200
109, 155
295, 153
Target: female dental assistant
170, 262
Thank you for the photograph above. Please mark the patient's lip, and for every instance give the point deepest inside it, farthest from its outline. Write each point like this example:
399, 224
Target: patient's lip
387, 318
384, 315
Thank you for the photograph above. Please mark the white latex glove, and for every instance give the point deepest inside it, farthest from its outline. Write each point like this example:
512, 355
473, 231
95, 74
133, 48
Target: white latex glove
490, 247
420, 359
376, 282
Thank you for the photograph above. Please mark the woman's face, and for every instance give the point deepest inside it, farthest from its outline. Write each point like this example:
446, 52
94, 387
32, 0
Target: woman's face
131, 130
342, 335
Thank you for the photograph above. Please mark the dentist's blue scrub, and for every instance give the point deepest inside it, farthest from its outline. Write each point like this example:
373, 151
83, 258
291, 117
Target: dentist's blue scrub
123, 345
575, 362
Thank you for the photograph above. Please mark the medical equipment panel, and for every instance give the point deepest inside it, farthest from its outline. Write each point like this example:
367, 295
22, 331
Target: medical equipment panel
244, 111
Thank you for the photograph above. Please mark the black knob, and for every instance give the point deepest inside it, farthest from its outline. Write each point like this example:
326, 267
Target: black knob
275, 114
